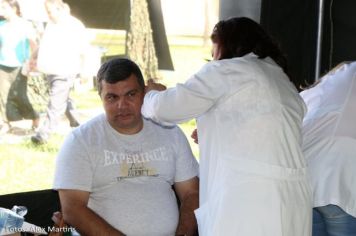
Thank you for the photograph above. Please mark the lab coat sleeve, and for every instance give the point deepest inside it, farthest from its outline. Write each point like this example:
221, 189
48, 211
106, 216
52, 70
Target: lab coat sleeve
188, 100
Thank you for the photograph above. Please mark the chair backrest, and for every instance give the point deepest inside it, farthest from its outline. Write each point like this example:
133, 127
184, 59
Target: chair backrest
40, 205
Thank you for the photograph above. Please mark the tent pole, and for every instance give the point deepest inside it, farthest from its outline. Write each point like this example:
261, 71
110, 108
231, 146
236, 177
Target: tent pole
319, 40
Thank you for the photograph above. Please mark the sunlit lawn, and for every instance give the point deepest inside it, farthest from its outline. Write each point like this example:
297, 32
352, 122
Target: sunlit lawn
27, 167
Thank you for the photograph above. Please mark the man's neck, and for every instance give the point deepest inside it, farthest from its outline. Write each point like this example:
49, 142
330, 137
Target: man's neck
129, 130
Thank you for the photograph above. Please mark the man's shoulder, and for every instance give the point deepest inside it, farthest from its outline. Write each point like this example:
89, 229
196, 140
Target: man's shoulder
172, 133
94, 125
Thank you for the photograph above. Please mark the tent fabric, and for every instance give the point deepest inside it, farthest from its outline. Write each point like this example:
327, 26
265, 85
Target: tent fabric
239, 8
339, 35
115, 15
295, 23
40, 205
103, 14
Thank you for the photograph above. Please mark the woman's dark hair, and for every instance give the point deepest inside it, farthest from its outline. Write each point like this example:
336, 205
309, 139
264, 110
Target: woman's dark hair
14, 4
118, 69
239, 36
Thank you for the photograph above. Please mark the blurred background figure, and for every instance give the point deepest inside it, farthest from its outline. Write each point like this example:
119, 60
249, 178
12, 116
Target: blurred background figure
329, 133
17, 40
60, 58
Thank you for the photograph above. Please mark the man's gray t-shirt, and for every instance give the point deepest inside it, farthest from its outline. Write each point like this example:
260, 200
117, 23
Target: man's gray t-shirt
129, 177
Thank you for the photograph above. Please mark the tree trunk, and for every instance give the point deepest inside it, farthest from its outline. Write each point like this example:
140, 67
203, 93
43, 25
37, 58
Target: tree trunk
139, 43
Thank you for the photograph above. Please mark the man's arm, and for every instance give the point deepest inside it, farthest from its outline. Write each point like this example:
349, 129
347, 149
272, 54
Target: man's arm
77, 214
188, 194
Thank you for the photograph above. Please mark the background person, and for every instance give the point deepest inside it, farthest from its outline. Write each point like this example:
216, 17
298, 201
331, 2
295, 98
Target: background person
249, 117
117, 170
17, 40
60, 58
329, 137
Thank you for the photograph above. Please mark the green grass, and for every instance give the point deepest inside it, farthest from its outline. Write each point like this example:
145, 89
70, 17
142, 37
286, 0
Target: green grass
27, 167
188, 129
86, 100
112, 43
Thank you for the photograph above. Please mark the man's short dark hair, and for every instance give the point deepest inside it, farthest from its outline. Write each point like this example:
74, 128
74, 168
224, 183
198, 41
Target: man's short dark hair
118, 69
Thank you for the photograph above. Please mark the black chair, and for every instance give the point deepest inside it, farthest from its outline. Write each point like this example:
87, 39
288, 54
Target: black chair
40, 205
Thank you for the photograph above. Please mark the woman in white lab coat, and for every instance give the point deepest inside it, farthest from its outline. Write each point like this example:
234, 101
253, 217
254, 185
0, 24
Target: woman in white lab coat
249, 116
329, 145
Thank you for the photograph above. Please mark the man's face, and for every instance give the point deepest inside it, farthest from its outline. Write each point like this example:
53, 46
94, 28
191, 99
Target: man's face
122, 102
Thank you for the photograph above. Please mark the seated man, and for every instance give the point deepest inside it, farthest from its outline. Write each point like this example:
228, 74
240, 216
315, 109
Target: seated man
115, 173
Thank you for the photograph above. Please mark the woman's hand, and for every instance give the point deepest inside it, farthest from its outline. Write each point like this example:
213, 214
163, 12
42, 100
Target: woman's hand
57, 218
195, 136
151, 85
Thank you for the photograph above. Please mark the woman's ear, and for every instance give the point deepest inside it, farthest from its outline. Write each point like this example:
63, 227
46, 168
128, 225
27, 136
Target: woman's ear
216, 51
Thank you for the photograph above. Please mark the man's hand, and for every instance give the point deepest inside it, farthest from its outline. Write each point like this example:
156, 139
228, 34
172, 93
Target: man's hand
151, 85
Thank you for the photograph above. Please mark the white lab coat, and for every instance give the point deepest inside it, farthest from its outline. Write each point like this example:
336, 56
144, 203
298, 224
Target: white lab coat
252, 171
329, 132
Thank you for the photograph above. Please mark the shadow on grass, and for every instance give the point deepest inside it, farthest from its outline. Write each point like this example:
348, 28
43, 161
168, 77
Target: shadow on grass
51, 147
